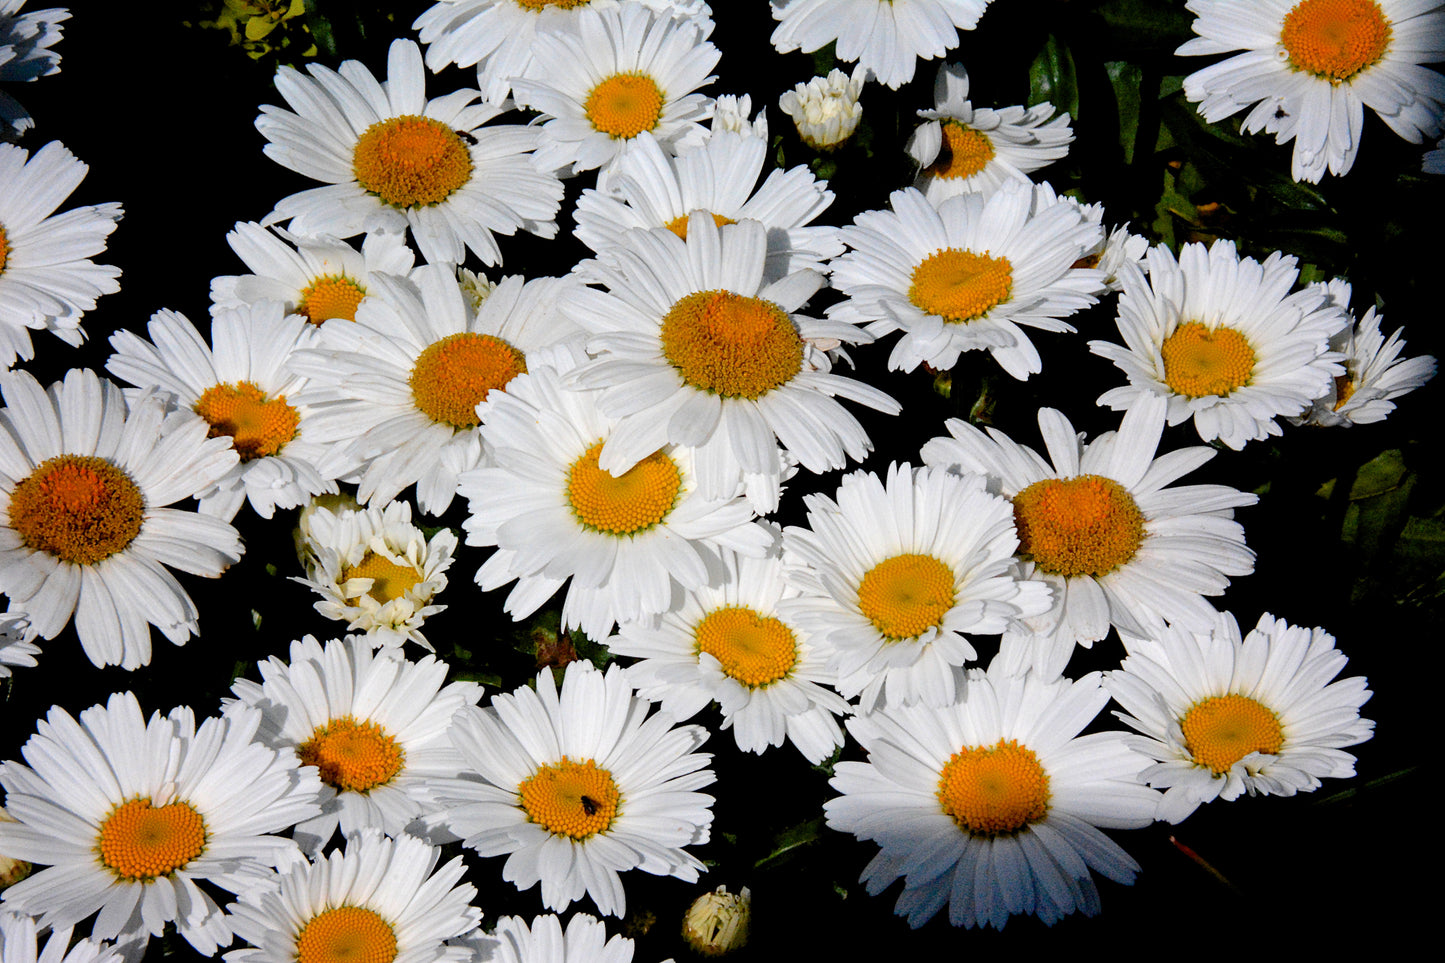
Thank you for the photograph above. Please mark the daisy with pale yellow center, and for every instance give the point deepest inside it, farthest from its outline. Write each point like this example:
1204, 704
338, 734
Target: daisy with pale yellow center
373, 724
1101, 529
378, 900
1224, 716
1310, 67
576, 786
127, 814
993, 805
1224, 339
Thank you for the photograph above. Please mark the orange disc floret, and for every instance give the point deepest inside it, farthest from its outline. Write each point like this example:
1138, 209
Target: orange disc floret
4, 249
353, 756
258, 426
624, 105
994, 790
79, 508
346, 934
623, 504
454, 375
678, 225
731, 345
964, 152
906, 595
754, 649
331, 296
1087, 525
960, 286
1221, 730
389, 581
574, 799
1199, 361
139, 841
411, 161
1335, 39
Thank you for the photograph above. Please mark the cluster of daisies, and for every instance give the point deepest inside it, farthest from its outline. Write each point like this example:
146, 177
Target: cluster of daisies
622, 436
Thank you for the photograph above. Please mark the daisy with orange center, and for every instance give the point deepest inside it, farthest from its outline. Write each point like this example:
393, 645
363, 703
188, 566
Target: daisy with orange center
1310, 67
577, 785
992, 805
1224, 716
129, 813
1101, 529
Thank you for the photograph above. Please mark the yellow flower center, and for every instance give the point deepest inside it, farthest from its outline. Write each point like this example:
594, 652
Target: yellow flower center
454, 375
346, 934
960, 286
331, 296
258, 426
389, 581
624, 105
411, 161
543, 4
731, 345
139, 841
1335, 39
1344, 388
1200, 362
567, 798
352, 756
79, 508
994, 791
1088, 525
964, 153
5, 249
678, 225
622, 504
1220, 731
756, 650
906, 595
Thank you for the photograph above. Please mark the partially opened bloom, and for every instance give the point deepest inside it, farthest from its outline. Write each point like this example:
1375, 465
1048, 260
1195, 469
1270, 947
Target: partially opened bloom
128, 814
1224, 340
577, 786
374, 725
993, 806
825, 110
1310, 67
47, 278
1224, 715
84, 531
19, 944
380, 900
394, 161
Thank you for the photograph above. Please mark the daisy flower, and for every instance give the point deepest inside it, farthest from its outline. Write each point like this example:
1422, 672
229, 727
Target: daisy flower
15, 646
960, 148
895, 572
584, 941
651, 189
379, 899
317, 277
728, 644
239, 388
886, 37
129, 814
993, 805
394, 160
825, 110
84, 531
375, 570
1225, 716
578, 786
1110, 252
631, 543
47, 278
1223, 339
19, 944
1310, 67
694, 347
734, 114
395, 393
612, 74
964, 276
1102, 530
25, 54
373, 723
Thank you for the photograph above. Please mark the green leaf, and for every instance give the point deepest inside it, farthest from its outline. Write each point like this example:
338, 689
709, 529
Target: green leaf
1052, 77
1126, 78
791, 839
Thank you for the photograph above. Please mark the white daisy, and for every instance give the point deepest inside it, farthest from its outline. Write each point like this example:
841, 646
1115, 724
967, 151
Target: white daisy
317, 277
47, 278
1224, 340
964, 276
577, 787
379, 900
1224, 716
25, 54
894, 573
19, 944
825, 110
1109, 253
651, 189
584, 941
631, 543
886, 37
1310, 67
1100, 528
993, 805
373, 723
375, 570
395, 393
395, 160
695, 348
611, 74
960, 148
15, 645
729, 644
129, 814
84, 479
239, 388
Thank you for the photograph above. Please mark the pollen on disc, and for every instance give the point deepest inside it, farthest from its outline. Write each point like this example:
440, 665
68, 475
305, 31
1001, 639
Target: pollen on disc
79, 508
994, 790
573, 799
960, 286
1086, 525
139, 841
353, 756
